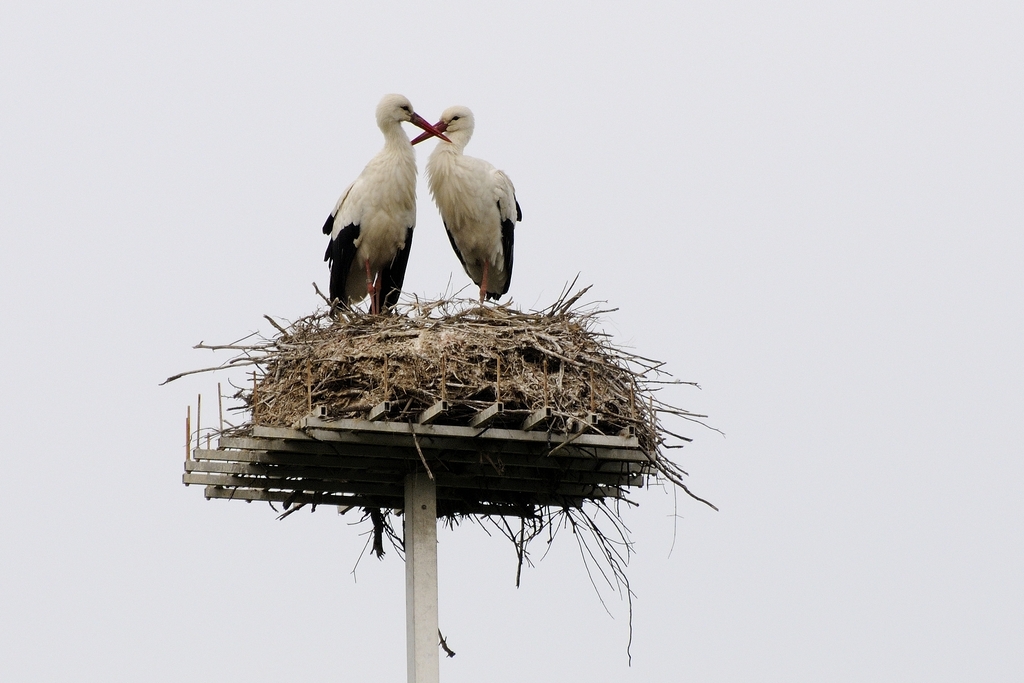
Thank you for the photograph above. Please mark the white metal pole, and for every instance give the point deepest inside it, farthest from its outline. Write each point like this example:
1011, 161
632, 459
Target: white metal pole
421, 578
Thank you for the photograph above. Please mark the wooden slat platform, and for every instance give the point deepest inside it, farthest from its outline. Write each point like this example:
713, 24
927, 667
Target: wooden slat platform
478, 470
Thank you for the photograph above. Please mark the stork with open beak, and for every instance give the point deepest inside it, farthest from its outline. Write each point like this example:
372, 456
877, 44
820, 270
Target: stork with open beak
372, 223
477, 204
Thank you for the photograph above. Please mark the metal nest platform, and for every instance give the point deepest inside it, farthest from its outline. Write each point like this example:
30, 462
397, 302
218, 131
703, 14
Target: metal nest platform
478, 469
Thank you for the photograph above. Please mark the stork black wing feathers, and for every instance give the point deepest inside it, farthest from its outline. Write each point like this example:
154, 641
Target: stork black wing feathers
392, 277
341, 252
508, 234
329, 225
455, 248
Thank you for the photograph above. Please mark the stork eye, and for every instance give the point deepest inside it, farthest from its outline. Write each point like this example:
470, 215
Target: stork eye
455, 118
406, 107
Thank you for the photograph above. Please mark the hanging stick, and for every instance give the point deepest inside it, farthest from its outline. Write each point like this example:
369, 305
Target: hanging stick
423, 458
220, 407
199, 417
387, 389
254, 397
654, 417
188, 433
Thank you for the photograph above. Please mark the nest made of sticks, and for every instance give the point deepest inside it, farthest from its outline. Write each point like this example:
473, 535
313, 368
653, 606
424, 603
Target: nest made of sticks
468, 355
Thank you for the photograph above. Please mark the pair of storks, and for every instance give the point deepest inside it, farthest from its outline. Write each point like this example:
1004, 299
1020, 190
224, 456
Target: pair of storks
372, 224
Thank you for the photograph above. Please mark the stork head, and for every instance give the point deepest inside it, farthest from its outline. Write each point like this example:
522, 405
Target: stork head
455, 120
395, 109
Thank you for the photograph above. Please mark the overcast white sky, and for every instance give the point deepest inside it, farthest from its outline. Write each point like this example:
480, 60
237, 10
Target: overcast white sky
812, 209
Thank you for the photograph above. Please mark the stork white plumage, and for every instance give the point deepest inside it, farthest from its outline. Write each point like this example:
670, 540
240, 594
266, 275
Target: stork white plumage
372, 224
477, 204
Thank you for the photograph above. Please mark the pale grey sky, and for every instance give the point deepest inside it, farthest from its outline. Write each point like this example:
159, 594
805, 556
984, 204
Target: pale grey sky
813, 210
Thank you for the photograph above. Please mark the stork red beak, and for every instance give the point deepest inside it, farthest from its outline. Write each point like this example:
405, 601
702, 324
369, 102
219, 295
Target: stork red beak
441, 127
420, 122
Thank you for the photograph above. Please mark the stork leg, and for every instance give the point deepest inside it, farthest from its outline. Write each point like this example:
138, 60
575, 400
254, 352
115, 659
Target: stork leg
483, 283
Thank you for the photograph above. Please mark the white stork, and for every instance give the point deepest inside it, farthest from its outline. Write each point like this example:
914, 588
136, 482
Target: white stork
477, 204
372, 223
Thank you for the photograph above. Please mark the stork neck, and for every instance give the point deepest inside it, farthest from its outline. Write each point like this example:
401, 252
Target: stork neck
456, 146
395, 138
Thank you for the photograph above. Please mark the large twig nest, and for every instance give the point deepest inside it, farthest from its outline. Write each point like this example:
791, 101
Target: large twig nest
471, 356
